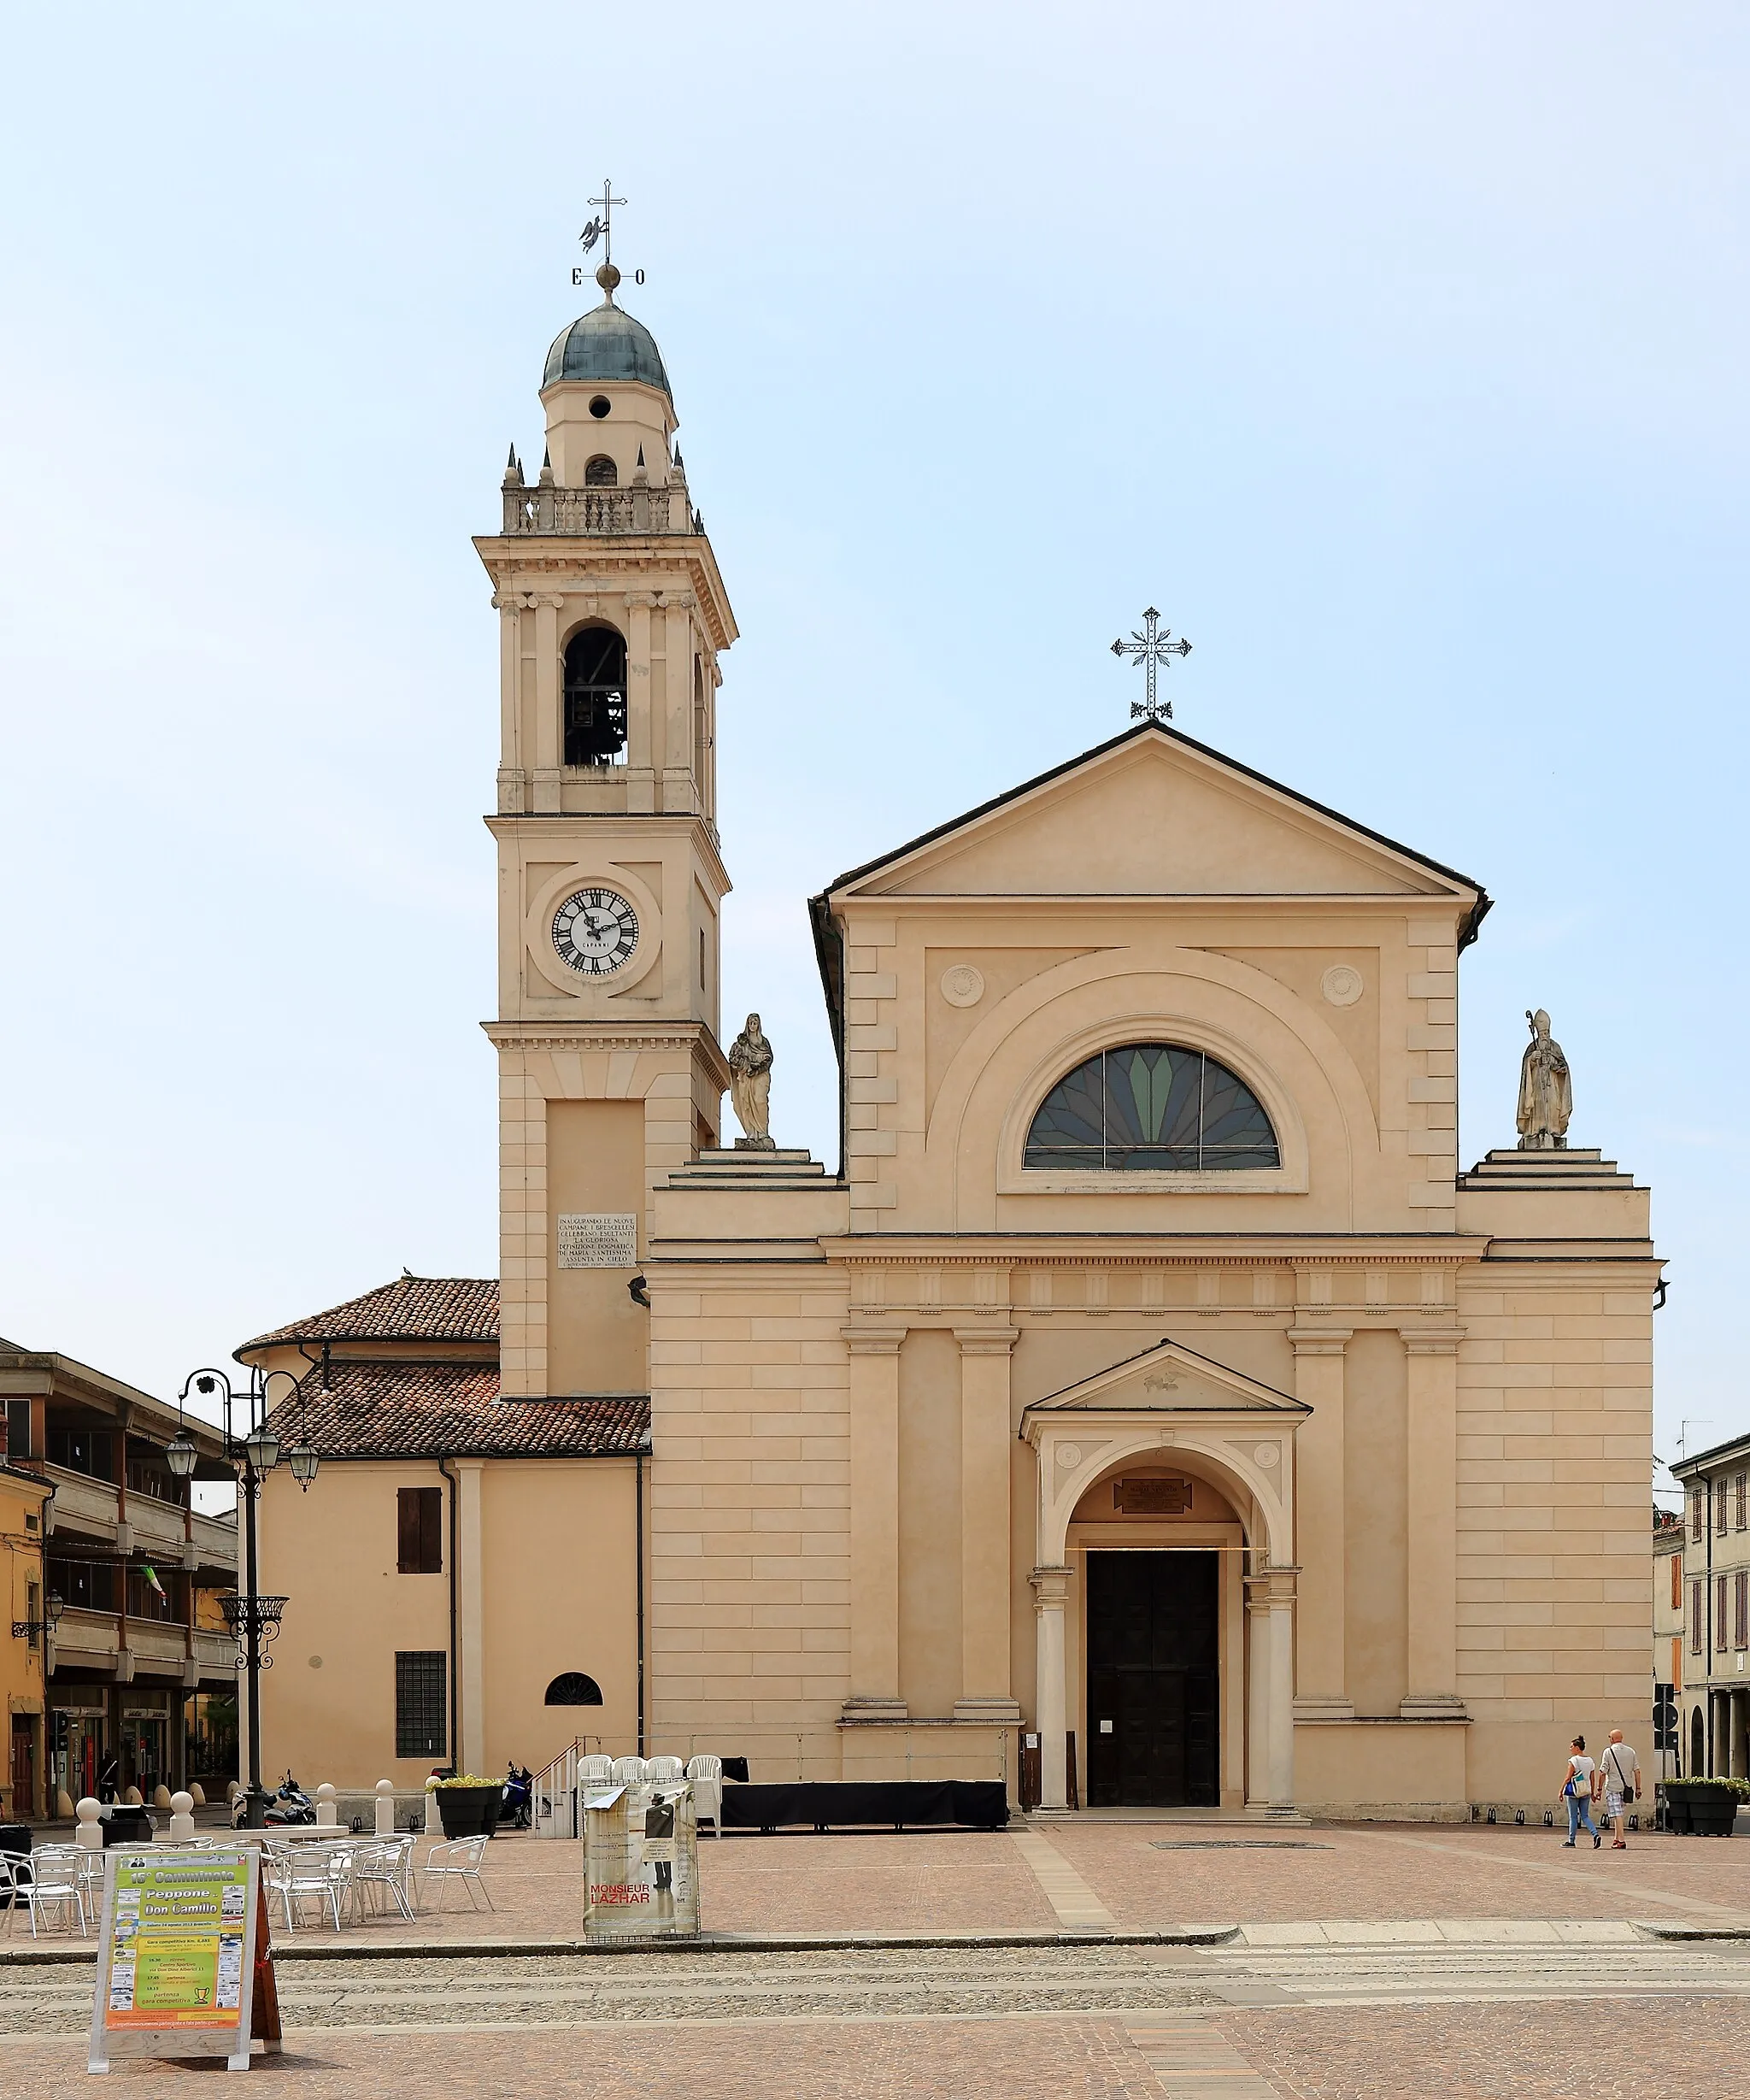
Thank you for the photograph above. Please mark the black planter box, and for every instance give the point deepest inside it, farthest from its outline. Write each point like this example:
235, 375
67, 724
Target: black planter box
468, 1811
1695, 1809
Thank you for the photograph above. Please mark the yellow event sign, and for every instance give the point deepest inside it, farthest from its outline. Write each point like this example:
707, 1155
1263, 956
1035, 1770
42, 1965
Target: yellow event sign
176, 1965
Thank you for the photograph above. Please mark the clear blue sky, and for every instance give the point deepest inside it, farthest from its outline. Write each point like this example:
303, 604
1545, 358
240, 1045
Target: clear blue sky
1397, 354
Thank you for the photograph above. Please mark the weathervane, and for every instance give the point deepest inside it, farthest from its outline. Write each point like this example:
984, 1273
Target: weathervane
1151, 647
600, 228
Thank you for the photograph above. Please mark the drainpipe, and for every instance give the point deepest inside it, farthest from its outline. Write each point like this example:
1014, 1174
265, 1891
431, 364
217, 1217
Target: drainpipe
638, 1555
455, 1643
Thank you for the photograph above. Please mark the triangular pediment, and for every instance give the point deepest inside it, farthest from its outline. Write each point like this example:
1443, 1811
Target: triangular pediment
1170, 1378
1154, 814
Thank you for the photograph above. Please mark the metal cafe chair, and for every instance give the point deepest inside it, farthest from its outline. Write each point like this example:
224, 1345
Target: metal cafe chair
295, 1876
383, 1868
459, 1861
57, 1883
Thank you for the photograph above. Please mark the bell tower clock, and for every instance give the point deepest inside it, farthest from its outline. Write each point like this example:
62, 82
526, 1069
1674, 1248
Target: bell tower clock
612, 621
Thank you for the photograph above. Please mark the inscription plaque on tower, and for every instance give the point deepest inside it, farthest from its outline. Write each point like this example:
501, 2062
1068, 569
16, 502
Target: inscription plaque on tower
609, 1240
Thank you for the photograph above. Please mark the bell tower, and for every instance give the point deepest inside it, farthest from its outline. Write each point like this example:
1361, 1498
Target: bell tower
612, 618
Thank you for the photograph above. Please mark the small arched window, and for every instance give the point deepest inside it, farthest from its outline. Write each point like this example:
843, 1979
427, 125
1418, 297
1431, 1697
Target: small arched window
595, 696
1151, 1108
573, 1689
600, 473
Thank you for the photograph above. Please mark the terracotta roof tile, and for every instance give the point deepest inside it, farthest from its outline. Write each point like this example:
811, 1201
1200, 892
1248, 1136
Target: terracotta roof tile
437, 1410
412, 1309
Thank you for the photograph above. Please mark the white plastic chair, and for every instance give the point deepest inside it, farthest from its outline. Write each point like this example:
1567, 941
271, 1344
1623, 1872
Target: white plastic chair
705, 1774
595, 1770
664, 1768
629, 1771
56, 1882
459, 1861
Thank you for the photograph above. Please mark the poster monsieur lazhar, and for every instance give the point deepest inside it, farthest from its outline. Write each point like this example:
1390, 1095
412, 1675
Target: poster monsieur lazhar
176, 1962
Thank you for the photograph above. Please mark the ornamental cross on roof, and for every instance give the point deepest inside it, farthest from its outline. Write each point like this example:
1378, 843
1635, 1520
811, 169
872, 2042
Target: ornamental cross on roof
600, 228
1151, 646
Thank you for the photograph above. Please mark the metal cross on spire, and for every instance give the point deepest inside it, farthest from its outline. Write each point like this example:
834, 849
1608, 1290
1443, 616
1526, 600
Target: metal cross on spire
600, 228
1151, 646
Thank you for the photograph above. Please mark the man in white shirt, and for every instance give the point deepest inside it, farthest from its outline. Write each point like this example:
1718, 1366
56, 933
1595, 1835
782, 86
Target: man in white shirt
1617, 1780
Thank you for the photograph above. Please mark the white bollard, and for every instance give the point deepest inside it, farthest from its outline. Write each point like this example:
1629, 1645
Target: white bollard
327, 1816
182, 1819
91, 1830
385, 1808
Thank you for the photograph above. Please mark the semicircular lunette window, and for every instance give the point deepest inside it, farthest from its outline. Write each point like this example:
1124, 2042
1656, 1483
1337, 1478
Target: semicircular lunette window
1151, 1108
573, 1689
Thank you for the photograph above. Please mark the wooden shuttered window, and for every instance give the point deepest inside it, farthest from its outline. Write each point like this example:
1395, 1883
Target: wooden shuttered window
1741, 1609
418, 1519
1677, 1582
1695, 1609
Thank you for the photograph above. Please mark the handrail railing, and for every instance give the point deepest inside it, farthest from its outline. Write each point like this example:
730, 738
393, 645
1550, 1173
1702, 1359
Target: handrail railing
552, 512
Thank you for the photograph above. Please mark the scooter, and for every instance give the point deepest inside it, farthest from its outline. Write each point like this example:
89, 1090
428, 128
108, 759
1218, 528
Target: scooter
291, 1805
519, 1798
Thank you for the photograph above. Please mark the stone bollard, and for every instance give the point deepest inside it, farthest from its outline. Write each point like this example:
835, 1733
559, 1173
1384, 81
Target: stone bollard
385, 1808
132, 1799
196, 1794
327, 1816
91, 1830
63, 1805
182, 1819
160, 1797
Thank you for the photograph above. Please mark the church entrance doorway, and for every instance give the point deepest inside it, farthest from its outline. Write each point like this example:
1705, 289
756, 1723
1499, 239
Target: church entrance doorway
1152, 1684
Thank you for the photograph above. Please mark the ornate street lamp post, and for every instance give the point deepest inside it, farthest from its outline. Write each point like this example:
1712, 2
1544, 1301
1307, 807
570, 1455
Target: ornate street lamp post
252, 1619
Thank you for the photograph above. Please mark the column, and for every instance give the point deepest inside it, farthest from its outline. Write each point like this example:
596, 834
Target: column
1431, 1511
470, 1754
987, 1452
1282, 1689
1257, 1691
679, 794
1051, 1587
640, 742
874, 1454
1319, 1523
549, 749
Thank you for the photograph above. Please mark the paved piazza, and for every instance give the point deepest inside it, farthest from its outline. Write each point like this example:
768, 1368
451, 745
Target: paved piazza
1108, 1958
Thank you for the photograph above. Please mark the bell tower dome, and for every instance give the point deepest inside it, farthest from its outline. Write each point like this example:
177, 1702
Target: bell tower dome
612, 620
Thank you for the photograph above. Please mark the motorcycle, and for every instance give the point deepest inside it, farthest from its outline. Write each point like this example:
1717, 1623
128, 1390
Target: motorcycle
290, 1806
519, 1798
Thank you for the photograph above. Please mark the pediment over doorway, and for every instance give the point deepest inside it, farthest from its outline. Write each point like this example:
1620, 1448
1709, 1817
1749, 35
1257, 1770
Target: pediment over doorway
1169, 1379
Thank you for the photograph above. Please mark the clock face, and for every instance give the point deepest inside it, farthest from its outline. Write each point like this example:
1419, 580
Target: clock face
594, 932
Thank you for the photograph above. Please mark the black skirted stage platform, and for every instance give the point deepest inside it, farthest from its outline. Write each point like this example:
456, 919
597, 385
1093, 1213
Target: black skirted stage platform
894, 1804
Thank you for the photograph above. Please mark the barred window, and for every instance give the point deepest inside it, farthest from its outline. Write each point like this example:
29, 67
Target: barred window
421, 1686
1151, 1108
1694, 1618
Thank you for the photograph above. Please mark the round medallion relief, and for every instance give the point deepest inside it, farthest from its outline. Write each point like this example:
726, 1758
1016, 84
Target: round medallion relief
1267, 1455
1341, 985
963, 984
1069, 1455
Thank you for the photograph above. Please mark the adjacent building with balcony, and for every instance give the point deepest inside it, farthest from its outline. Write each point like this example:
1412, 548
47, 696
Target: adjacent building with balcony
1715, 1703
140, 1687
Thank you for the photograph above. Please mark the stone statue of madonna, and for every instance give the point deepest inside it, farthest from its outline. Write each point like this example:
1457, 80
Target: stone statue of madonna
1546, 1091
750, 1087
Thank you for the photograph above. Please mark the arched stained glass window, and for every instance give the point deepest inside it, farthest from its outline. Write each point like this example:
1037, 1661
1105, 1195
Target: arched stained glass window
1151, 1108
573, 1689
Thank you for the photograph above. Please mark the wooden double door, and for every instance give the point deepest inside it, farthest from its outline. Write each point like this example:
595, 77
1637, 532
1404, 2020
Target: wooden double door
1154, 1736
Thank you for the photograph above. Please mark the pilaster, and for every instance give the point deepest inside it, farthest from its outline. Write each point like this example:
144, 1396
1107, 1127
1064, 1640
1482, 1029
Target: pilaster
986, 1448
678, 796
1051, 1589
640, 741
550, 750
1322, 1686
470, 1754
1431, 1511
874, 1523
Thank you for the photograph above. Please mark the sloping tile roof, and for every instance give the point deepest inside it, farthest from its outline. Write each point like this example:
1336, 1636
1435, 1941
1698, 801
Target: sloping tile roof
412, 1309
452, 1410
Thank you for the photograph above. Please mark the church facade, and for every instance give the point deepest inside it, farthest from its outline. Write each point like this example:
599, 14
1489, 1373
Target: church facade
1148, 1400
